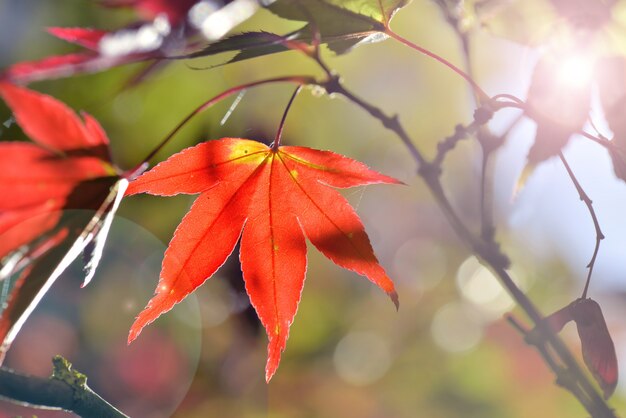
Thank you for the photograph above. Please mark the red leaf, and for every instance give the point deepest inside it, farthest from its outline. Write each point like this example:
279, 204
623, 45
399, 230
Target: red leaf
50, 67
597, 345
175, 10
67, 168
276, 198
19, 227
37, 182
48, 121
89, 38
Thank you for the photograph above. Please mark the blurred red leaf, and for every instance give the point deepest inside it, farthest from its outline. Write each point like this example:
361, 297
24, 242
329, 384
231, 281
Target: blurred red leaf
175, 10
276, 197
166, 31
38, 178
43, 184
89, 38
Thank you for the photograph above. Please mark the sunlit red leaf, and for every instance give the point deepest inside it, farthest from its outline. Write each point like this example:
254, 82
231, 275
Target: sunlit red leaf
559, 104
273, 199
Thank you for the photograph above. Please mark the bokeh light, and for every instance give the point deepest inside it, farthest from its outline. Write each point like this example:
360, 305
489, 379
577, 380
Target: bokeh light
361, 358
457, 327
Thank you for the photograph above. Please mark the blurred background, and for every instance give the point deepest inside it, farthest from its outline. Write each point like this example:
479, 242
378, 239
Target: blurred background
446, 353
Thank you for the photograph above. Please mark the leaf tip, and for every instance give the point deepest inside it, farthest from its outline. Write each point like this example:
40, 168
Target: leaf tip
271, 366
137, 327
275, 348
394, 298
133, 334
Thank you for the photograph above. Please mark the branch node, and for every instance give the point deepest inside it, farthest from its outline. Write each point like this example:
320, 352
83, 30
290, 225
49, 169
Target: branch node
483, 114
429, 171
488, 141
491, 253
62, 370
332, 84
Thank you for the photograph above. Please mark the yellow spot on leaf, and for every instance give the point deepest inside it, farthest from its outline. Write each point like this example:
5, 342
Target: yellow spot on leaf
248, 152
277, 330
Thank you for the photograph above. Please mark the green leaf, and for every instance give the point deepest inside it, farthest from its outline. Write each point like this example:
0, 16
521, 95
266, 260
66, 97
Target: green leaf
258, 44
351, 21
342, 25
262, 41
366, 14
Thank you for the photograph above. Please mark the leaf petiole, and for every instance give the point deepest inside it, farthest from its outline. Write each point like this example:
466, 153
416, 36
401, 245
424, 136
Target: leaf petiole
300, 80
279, 132
482, 96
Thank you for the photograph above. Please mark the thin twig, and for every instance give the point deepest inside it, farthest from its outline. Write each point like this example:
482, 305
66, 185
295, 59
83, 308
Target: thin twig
447, 144
596, 224
483, 134
300, 80
479, 91
491, 256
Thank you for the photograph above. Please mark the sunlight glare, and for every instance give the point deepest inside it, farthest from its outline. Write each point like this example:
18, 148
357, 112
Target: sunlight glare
575, 70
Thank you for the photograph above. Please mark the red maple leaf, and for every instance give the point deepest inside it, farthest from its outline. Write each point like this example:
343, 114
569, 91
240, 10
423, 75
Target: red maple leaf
275, 197
46, 186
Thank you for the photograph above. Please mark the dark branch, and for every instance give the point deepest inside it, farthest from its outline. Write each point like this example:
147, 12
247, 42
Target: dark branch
66, 389
596, 224
569, 375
